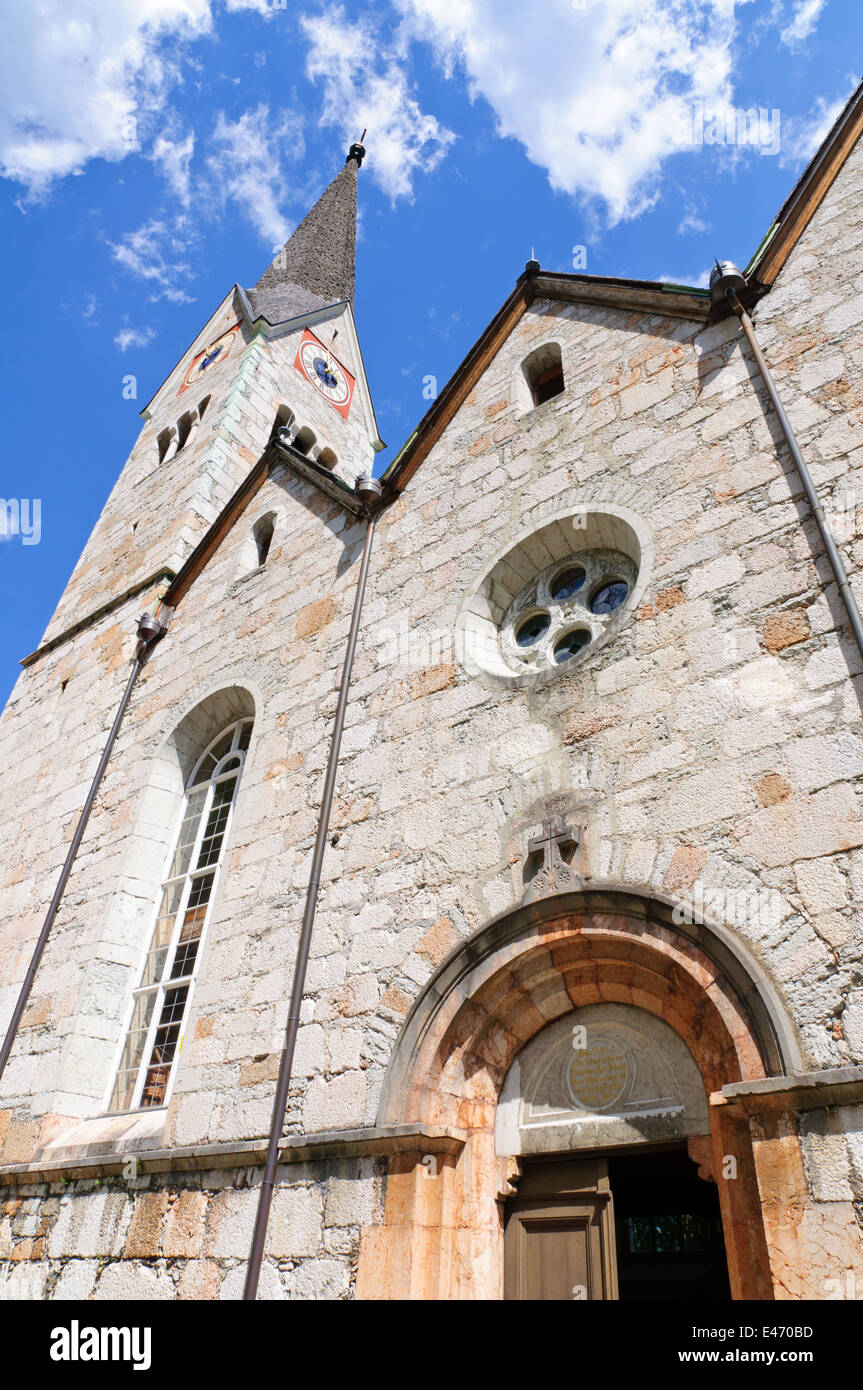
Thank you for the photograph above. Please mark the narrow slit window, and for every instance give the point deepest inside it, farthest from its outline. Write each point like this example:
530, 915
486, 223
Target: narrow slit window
262, 533
161, 999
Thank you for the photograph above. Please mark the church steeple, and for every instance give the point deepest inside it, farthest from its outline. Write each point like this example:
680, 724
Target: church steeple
316, 264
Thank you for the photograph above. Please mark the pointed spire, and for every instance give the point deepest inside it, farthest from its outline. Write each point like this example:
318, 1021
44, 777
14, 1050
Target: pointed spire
319, 256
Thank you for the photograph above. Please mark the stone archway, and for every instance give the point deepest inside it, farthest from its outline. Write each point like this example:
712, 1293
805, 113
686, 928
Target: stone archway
442, 1231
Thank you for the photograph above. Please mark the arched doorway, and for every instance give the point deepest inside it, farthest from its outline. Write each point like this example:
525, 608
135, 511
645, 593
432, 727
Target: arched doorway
606, 1112
443, 1230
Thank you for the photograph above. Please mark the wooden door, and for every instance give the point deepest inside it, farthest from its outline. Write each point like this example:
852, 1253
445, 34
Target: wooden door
559, 1233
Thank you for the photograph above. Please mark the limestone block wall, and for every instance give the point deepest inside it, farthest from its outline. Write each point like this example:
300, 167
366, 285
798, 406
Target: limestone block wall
112, 1239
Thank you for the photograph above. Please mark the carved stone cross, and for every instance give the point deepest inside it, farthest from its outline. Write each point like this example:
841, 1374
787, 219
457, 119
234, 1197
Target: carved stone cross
555, 875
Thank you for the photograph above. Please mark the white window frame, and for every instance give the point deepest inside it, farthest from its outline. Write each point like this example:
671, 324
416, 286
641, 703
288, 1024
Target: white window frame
166, 983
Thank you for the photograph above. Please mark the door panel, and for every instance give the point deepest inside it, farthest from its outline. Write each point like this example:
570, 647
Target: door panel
559, 1236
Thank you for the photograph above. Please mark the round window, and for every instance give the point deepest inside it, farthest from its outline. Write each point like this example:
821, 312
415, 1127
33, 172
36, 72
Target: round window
568, 582
570, 643
609, 596
565, 608
530, 631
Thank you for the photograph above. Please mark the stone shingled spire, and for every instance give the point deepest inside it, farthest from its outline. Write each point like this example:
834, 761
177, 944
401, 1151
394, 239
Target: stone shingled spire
316, 264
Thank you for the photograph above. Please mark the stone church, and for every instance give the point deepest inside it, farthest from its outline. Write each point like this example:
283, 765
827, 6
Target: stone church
582, 1015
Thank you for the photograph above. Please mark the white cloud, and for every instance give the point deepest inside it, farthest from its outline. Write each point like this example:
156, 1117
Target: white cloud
134, 338
85, 79
155, 253
174, 158
365, 85
691, 222
598, 91
247, 166
802, 22
801, 135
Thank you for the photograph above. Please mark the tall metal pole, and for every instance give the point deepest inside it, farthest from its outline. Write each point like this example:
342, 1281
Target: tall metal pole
149, 631
371, 490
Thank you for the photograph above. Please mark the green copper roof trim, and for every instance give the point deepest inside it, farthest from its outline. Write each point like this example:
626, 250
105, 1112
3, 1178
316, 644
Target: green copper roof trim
762, 246
668, 285
393, 461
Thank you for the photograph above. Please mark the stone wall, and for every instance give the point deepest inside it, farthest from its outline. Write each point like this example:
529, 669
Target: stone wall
713, 744
109, 1238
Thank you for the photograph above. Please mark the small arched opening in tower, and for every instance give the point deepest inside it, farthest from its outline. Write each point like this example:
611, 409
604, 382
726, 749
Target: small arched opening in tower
304, 439
184, 428
163, 442
285, 417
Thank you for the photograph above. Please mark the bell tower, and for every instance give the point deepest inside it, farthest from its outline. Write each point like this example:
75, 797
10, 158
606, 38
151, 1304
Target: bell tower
283, 356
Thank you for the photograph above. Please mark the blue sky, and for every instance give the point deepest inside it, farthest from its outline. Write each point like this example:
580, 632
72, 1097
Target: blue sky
153, 152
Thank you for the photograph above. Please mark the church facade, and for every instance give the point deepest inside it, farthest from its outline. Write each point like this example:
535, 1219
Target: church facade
584, 1010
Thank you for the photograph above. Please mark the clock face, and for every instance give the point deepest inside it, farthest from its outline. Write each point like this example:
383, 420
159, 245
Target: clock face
325, 372
214, 352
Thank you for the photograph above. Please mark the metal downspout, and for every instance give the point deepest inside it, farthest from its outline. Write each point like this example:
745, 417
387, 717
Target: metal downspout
149, 632
725, 281
369, 490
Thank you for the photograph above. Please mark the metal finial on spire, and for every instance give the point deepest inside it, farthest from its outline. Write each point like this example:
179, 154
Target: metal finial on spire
357, 151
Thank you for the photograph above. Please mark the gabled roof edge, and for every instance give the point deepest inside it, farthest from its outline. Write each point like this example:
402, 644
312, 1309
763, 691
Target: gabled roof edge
647, 296
807, 194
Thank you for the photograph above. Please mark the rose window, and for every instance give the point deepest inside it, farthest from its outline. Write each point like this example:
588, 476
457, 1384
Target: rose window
566, 607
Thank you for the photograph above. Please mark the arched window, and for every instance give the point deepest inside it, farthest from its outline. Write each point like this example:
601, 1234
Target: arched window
303, 440
160, 1002
541, 376
285, 417
262, 532
163, 441
202, 406
184, 428
327, 458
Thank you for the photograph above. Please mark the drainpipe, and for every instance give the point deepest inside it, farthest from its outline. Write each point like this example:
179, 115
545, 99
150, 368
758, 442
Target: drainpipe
725, 282
369, 492
149, 632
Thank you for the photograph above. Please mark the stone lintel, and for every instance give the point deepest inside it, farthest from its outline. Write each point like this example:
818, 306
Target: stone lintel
304, 1148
